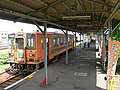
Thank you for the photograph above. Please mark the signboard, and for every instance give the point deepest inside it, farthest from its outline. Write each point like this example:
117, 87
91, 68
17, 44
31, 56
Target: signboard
112, 59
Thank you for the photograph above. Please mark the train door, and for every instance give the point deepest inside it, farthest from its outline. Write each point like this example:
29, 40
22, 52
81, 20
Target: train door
11, 47
20, 50
42, 47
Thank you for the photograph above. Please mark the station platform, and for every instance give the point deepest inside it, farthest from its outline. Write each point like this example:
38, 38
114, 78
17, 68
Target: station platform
79, 74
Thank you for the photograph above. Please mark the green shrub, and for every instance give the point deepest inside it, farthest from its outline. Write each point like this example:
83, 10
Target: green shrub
118, 64
3, 58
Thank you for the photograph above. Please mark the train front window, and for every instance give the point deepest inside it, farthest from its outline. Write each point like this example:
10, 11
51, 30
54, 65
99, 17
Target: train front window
11, 41
31, 41
19, 43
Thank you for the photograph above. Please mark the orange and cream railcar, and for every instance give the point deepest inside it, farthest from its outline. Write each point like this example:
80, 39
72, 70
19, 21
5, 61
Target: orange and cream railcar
26, 50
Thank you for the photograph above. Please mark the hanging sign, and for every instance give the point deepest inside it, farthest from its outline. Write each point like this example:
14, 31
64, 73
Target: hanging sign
112, 58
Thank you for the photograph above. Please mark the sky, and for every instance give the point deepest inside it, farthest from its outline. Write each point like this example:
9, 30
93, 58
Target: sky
12, 27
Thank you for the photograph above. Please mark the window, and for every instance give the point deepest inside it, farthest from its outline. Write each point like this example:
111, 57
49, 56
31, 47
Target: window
20, 43
11, 41
64, 40
60, 40
31, 41
55, 41
70, 37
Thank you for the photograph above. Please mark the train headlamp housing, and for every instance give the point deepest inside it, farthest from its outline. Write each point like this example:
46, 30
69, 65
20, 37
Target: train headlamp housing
20, 33
31, 54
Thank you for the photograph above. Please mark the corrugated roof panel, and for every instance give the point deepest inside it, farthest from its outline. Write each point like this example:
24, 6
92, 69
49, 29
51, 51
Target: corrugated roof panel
49, 1
13, 7
35, 4
56, 9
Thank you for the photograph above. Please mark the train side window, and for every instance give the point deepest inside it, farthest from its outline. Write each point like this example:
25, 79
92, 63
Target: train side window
53, 41
68, 39
20, 43
11, 43
57, 41
31, 41
64, 40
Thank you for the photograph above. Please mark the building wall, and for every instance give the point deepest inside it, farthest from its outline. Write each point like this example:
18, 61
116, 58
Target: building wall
3, 38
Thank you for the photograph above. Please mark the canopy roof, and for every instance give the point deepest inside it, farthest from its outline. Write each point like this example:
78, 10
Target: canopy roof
74, 15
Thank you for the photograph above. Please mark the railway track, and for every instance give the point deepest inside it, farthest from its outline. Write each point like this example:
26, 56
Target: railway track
8, 78
6, 75
3, 47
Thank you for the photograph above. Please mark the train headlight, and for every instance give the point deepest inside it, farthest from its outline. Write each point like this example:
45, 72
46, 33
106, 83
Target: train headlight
11, 54
20, 33
31, 55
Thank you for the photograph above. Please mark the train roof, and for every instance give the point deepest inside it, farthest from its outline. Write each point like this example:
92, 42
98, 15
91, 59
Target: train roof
50, 33
53, 33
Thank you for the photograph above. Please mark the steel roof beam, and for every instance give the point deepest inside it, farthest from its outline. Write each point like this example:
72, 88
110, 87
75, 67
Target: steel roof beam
38, 27
103, 3
87, 30
66, 5
7, 11
45, 4
51, 5
116, 27
78, 11
74, 22
92, 6
26, 7
20, 5
81, 4
40, 9
113, 12
103, 9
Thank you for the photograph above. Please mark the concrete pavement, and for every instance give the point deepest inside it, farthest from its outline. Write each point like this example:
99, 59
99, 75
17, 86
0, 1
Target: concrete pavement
79, 74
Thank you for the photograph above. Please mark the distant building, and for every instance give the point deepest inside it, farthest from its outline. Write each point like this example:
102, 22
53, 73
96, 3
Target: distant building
3, 39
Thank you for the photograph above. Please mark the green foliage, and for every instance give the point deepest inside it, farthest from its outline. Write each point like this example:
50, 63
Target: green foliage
4, 66
3, 58
118, 64
116, 35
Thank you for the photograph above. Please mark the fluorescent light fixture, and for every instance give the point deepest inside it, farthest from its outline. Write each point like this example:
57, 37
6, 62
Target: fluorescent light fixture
84, 25
75, 17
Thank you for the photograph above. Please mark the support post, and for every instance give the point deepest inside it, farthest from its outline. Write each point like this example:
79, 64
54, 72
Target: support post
110, 33
83, 40
66, 46
66, 34
45, 52
80, 42
75, 44
45, 81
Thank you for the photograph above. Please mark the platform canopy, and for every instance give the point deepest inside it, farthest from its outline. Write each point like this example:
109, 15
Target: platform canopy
73, 15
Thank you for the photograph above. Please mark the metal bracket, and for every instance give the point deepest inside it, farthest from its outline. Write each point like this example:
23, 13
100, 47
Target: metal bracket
64, 32
38, 26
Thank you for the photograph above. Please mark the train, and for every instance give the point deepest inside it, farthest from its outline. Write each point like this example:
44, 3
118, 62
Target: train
26, 50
